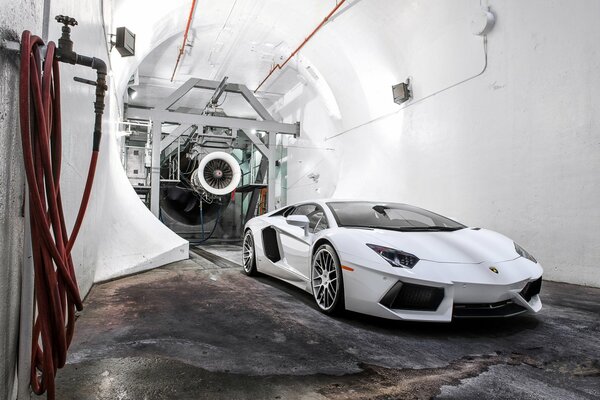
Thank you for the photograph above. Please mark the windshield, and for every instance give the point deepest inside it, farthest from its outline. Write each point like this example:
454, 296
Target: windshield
402, 217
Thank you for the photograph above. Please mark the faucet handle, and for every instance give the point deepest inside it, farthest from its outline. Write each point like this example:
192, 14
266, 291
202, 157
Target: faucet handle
66, 20
65, 44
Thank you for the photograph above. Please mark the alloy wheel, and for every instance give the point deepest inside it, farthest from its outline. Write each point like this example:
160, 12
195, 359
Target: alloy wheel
248, 254
326, 278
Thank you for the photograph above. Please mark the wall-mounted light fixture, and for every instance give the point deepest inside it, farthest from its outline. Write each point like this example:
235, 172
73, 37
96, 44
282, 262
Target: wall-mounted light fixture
124, 42
402, 92
482, 22
132, 93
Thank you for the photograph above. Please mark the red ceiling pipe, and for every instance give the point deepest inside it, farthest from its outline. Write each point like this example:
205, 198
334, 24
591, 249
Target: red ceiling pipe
280, 66
185, 36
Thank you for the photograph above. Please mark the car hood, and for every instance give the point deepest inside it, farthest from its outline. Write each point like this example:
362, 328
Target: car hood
465, 246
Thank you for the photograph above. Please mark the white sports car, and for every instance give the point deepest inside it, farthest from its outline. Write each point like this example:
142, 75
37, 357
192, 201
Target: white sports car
393, 261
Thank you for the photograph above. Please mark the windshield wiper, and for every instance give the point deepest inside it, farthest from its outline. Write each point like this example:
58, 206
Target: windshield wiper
389, 228
408, 228
435, 228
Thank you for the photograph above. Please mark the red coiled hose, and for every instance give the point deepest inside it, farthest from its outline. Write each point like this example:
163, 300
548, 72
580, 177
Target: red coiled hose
56, 292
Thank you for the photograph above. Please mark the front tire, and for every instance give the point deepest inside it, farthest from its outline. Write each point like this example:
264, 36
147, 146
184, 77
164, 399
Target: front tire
248, 254
326, 280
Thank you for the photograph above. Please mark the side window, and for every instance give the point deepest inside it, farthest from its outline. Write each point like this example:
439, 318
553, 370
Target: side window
305, 209
317, 221
283, 212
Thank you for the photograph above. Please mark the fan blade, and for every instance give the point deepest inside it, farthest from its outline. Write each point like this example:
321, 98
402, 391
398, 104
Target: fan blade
177, 194
191, 204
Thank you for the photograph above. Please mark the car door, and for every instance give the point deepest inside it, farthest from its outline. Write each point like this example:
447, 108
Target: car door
296, 244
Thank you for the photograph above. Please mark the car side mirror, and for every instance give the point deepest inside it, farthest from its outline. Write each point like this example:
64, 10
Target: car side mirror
299, 221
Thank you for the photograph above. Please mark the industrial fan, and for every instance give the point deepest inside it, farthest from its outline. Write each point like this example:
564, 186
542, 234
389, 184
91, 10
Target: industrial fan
204, 190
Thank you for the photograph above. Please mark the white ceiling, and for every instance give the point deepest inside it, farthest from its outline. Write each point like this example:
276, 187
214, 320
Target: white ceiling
241, 39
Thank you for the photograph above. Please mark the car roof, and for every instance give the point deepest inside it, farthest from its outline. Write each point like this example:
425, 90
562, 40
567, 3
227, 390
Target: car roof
328, 200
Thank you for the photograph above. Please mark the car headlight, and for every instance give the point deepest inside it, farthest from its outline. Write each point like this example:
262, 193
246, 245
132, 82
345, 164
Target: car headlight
523, 253
396, 258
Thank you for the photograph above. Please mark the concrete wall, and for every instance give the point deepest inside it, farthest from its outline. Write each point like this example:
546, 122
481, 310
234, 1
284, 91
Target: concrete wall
119, 235
14, 18
511, 146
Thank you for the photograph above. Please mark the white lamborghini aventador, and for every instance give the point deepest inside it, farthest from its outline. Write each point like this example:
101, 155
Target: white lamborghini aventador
392, 261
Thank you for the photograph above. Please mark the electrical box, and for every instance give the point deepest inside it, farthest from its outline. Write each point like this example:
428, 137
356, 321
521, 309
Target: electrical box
125, 42
401, 92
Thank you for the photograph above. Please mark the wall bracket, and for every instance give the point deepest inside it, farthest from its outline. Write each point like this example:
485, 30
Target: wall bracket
10, 45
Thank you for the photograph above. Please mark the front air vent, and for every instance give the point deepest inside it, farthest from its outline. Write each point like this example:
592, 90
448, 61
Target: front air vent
408, 296
506, 308
531, 289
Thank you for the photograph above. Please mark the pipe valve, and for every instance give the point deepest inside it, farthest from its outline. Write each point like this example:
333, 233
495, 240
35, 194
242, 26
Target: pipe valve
65, 19
65, 44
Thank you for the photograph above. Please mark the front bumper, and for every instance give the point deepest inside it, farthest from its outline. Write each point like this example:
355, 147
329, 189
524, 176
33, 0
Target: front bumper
440, 291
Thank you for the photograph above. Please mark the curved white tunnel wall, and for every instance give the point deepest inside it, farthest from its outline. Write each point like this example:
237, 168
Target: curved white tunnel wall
119, 235
512, 149
515, 149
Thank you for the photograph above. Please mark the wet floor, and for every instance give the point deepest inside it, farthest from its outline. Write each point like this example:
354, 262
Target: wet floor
201, 329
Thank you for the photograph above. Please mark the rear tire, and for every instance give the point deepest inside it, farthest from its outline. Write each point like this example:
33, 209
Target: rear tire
327, 281
248, 254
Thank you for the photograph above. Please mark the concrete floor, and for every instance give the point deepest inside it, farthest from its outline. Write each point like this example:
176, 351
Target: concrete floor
200, 329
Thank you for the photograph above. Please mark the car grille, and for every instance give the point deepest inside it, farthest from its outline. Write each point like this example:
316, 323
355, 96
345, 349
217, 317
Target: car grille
500, 309
408, 296
531, 289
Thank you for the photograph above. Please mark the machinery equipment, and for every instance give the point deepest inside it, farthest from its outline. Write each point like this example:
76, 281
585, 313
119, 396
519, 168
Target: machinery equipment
206, 158
208, 175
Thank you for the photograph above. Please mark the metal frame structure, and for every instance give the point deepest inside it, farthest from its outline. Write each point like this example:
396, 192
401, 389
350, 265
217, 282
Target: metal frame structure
186, 117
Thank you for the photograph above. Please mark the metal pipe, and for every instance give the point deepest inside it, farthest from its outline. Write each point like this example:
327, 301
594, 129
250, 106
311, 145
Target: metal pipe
185, 36
214, 100
280, 66
155, 169
144, 124
27, 313
101, 88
